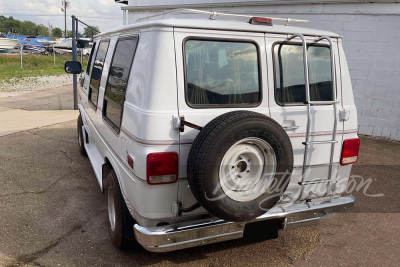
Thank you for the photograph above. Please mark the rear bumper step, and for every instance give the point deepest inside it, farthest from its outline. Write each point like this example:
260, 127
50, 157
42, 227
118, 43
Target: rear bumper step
169, 238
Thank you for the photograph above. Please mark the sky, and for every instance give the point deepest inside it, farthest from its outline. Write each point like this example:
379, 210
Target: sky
103, 13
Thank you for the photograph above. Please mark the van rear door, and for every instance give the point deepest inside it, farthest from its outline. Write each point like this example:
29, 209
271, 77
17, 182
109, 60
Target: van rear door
287, 99
209, 84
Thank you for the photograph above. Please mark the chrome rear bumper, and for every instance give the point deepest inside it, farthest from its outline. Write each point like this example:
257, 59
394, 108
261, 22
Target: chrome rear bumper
169, 238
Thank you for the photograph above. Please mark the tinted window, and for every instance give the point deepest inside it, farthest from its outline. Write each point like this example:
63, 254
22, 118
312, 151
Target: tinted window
289, 73
118, 79
96, 72
221, 73
90, 59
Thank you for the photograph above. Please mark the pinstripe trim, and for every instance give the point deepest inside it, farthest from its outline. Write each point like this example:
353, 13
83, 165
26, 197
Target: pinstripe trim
189, 142
322, 133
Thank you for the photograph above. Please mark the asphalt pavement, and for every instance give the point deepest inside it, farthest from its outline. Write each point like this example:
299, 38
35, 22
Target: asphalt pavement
52, 213
20, 111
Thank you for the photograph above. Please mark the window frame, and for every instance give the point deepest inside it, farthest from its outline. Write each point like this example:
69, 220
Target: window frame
227, 40
108, 122
274, 70
91, 103
89, 64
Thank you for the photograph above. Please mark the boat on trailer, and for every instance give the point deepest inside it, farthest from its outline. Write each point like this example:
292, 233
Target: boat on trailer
7, 44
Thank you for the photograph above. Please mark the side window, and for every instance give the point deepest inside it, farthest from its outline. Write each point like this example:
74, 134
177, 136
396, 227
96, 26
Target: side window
289, 74
96, 72
222, 73
117, 80
89, 64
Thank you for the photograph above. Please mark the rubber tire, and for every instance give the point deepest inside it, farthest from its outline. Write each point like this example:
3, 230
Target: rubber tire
208, 150
124, 222
81, 144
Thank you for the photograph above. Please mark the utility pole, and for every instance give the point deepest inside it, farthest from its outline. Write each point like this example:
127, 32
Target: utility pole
65, 4
75, 83
65, 19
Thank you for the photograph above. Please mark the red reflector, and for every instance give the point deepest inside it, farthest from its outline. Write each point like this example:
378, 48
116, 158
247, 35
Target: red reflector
350, 151
130, 161
259, 20
162, 168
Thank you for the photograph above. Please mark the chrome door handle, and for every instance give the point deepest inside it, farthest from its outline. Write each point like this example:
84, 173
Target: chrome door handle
290, 128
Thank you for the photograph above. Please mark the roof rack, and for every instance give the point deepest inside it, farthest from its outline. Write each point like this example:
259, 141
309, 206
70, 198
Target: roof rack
213, 15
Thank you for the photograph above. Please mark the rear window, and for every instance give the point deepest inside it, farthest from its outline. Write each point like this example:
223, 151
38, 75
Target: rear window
222, 73
117, 80
289, 74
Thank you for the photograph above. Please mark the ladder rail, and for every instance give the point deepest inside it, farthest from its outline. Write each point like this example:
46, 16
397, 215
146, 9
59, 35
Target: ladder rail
307, 88
335, 113
308, 103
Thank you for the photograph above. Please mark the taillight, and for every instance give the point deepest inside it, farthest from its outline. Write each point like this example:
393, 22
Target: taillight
350, 151
162, 168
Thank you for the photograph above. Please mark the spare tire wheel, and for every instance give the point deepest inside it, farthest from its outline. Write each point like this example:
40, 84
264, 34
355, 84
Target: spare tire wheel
239, 165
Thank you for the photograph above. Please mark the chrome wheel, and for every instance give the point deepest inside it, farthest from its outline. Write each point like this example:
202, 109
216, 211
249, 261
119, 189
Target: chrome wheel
111, 208
247, 169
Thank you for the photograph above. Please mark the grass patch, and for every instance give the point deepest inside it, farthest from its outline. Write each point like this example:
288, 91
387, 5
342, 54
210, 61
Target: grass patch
32, 66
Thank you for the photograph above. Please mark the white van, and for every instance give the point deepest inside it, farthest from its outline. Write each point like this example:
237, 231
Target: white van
196, 128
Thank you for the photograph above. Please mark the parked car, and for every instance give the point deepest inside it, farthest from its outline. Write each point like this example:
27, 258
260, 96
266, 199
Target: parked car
196, 128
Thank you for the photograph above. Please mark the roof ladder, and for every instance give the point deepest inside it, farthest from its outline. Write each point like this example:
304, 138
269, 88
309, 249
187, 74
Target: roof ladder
309, 103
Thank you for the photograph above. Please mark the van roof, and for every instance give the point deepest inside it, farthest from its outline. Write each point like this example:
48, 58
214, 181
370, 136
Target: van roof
230, 25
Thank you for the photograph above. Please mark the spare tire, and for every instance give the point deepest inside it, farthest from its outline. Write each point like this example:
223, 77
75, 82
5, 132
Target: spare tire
239, 165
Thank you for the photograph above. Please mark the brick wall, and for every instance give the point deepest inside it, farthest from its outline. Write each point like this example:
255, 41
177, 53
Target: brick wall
372, 44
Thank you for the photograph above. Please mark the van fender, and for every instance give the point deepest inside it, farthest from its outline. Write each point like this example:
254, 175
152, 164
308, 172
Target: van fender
110, 163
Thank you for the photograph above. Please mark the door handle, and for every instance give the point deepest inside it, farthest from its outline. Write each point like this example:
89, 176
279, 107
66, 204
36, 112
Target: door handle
290, 128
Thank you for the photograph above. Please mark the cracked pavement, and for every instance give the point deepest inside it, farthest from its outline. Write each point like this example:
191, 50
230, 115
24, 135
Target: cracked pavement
52, 213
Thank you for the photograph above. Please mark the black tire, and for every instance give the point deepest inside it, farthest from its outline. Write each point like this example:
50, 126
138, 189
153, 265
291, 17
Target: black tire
121, 232
81, 144
208, 150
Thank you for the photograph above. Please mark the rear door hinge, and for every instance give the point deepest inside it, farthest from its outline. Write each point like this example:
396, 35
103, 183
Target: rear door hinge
177, 208
344, 115
180, 122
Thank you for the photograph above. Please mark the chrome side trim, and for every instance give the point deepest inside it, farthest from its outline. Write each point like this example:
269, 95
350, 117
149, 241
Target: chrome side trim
180, 236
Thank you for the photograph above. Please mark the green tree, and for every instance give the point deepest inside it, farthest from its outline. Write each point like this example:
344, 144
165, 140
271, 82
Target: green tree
28, 28
42, 30
87, 31
9, 24
57, 32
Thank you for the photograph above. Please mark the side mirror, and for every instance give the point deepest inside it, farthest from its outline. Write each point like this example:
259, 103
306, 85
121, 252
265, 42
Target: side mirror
73, 67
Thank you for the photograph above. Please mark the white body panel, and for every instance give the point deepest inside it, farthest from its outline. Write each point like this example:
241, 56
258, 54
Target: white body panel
155, 95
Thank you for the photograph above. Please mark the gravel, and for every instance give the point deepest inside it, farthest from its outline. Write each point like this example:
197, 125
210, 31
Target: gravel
35, 83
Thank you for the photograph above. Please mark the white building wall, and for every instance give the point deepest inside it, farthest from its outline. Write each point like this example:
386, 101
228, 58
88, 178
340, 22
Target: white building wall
372, 44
